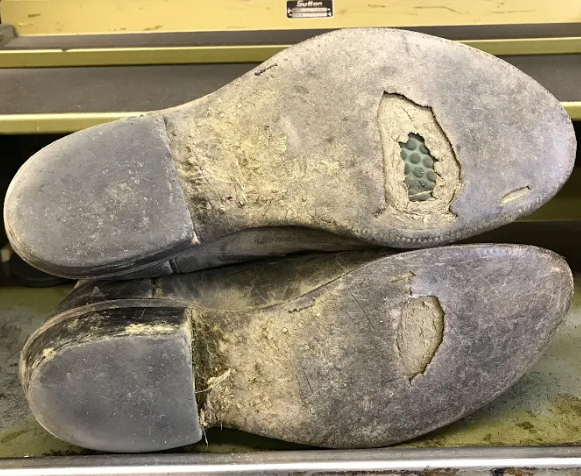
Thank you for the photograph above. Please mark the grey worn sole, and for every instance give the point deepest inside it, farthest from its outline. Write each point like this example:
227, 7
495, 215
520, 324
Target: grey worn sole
378, 136
346, 350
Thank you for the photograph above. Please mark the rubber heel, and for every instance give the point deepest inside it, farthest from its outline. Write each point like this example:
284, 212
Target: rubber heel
114, 377
100, 201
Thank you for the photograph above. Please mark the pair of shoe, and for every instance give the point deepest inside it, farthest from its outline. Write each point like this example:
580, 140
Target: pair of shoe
353, 140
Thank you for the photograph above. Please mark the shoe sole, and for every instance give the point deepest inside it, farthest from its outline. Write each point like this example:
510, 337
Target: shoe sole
361, 354
389, 137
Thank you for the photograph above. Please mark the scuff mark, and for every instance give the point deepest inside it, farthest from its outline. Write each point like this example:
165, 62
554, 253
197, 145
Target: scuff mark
437, 7
260, 71
140, 329
402, 277
515, 195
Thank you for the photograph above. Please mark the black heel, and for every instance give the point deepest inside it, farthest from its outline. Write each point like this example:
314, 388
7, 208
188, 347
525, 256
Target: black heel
115, 376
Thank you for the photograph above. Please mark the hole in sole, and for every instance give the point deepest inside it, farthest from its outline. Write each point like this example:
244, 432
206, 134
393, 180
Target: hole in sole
419, 334
422, 173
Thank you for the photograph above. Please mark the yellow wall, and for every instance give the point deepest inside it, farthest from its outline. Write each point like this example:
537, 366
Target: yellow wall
45, 17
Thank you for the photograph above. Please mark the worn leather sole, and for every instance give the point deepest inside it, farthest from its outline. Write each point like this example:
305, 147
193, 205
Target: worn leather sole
346, 350
380, 136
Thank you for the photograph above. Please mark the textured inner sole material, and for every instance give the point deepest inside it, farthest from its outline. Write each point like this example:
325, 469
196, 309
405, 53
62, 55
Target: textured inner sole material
420, 177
